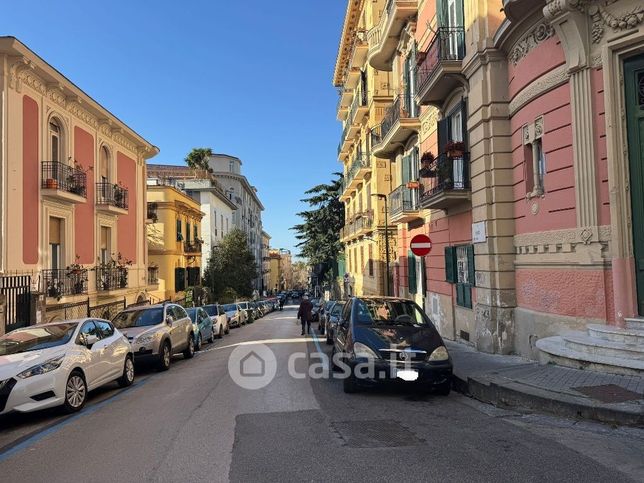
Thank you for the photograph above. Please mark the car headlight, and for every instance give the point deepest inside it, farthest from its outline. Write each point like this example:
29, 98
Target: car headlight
439, 354
361, 350
144, 339
43, 368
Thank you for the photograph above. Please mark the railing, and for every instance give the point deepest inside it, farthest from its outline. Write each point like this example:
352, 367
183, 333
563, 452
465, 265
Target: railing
402, 108
111, 278
192, 247
448, 44
153, 275
361, 161
56, 175
359, 100
111, 194
347, 125
375, 134
402, 200
366, 221
152, 211
446, 173
63, 282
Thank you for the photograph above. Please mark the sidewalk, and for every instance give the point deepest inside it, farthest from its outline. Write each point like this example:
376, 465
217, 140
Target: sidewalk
510, 381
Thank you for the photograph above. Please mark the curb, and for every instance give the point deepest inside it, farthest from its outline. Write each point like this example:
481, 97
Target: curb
516, 396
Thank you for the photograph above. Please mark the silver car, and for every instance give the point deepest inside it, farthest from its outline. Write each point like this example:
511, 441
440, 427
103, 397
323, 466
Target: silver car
219, 319
156, 332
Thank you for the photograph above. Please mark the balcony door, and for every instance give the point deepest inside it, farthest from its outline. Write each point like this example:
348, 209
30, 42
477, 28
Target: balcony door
55, 243
450, 17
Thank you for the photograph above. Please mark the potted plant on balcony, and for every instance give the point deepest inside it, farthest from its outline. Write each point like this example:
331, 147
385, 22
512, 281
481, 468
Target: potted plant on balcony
455, 149
426, 169
119, 193
122, 265
55, 288
78, 276
51, 184
76, 180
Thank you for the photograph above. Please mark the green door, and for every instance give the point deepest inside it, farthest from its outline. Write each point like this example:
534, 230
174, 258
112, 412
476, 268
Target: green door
634, 84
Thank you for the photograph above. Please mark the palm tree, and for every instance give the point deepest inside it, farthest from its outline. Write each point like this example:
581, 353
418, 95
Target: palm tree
198, 159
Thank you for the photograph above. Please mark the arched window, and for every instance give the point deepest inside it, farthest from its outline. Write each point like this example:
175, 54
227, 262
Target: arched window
104, 164
56, 145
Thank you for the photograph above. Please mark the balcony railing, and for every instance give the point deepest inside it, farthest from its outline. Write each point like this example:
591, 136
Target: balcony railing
192, 247
359, 100
361, 161
365, 222
445, 174
59, 176
153, 275
402, 200
64, 282
402, 108
111, 194
375, 134
111, 278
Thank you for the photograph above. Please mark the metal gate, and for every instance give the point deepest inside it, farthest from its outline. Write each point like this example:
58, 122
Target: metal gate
69, 311
17, 292
107, 311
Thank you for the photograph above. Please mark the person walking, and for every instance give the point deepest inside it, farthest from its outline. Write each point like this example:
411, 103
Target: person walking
281, 303
304, 314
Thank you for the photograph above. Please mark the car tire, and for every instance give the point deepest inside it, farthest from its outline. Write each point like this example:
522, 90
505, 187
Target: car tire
221, 333
350, 384
334, 367
165, 357
189, 353
128, 373
75, 392
227, 331
443, 389
197, 346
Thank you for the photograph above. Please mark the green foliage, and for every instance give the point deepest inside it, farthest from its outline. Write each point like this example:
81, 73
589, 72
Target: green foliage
198, 159
319, 234
231, 268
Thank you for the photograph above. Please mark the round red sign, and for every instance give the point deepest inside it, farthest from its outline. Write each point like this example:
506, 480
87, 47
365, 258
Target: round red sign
421, 245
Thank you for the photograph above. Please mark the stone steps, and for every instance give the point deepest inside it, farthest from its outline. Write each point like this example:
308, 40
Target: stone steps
636, 323
616, 334
585, 343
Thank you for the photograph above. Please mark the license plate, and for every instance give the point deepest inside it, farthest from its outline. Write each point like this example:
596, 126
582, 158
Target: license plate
406, 375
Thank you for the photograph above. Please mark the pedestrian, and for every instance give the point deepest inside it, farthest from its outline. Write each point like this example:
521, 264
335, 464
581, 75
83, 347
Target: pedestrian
304, 314
281, 303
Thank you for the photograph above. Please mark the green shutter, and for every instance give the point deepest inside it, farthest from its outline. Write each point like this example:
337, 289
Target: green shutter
450, 264
460, 15
411, 270
471, 275
460, 295
406, 170
441, 12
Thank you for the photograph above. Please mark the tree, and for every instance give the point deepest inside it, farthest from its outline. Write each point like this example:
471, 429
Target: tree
231, 267
198, 159
319, 234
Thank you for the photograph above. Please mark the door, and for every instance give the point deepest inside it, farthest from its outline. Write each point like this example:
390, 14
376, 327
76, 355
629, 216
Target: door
634, 85
92, 365
115, 352
344, 324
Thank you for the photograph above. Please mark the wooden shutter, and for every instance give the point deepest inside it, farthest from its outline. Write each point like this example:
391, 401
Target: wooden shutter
450, 264
463, 108
443, 134
411, 271
406, 170
460, 295
179, 279
460, 15
441, 13
55, 227
470, 265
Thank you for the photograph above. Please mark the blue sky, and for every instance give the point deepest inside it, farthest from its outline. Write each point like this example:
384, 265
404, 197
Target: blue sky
249, 78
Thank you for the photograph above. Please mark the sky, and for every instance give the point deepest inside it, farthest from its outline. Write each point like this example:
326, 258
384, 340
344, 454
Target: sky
248, 78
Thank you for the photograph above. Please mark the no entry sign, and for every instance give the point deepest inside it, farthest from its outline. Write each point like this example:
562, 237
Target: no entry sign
421, 245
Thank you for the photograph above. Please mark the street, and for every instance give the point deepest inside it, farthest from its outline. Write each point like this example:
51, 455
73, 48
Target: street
193, 423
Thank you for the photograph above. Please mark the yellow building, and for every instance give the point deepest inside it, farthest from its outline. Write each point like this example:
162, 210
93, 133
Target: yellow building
365, 93
275, 271
174, 240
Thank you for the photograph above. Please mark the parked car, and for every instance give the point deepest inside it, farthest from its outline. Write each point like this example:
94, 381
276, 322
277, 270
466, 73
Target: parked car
234, 315
256, 309
219, 319
57, 364
156, 332
332, 318
249, 316
323, 314
315, 312
398, 338
202, 326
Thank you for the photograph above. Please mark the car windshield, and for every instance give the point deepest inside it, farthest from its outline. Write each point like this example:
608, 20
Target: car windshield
337, 308
390, 312
138, 318
230, 308
36, 338
211, 310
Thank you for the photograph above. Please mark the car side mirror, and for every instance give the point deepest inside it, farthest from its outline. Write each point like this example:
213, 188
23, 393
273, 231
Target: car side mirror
169, 320
89, 340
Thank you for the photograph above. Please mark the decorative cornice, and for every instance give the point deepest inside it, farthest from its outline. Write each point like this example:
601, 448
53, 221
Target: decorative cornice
540, 33
549, 81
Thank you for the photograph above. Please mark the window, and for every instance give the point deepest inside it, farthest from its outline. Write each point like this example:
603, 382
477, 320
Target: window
231, 166
55, 239
178, 312
104, 249
106, 328
179, 234
222, 226
411, 272
459, 270
88, 328
56, 140
195, 232
370, 260
534, 159
362, 259
187, 231
104, 164
179, 279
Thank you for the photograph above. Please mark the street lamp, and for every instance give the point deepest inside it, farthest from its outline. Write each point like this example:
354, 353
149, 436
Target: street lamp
384, 197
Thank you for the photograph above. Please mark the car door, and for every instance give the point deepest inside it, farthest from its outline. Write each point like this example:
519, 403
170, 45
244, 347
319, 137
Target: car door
92, 364
115, 349
173, 331
183, 326
341, 333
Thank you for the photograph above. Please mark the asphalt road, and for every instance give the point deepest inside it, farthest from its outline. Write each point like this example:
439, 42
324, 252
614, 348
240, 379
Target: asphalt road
194, 423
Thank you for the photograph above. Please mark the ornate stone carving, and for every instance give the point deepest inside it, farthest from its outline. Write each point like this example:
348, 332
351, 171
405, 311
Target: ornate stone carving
552, 79
538, 34
538, 128
75, 108
56, 94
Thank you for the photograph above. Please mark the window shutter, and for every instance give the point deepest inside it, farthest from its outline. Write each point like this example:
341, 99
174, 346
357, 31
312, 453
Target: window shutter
406, 170
460, 295
443, 134
450, 264
470, 265
411, 270
467, 296
441, 12
460, 17
464, 121
179, 279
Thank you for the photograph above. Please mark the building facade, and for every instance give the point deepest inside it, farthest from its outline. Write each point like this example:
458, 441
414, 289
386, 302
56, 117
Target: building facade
174, 241
275, 282
516, 147
248, 215
72, 192
266, 265
365, 94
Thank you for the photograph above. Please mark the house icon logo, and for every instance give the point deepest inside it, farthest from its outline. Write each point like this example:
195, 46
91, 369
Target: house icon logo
252, 366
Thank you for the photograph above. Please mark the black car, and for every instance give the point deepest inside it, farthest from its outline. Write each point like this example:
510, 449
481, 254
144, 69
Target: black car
396, 337
332, 319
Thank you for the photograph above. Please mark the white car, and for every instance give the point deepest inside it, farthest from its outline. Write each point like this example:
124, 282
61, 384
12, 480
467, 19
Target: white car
56, 364
219, 319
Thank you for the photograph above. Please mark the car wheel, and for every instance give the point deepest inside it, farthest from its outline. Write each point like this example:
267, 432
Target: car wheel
350, 384
334, 366
189, 353
128, 373
227, 331
221, 333
165, 357
75, 392
198, 343
444, 388
212, 337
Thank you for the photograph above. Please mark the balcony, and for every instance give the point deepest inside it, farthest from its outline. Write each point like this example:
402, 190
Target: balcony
345, 96
446, 182
398, 125
152, 215
64, 282
153, 275
404, 205
63, 183
359, 106
111, 198
384, 37
108, 279
365, 223
359, 50
359, 167
192, 247
440, 71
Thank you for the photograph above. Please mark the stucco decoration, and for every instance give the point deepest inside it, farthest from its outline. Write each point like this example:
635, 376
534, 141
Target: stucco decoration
538, 34
537, 88
428, 121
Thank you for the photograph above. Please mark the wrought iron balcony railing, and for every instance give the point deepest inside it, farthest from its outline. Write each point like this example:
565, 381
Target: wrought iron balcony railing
59, 283
446, 173
192, 247
403, 199
111, 278
111, 194
403, 107
448, 45
59, 176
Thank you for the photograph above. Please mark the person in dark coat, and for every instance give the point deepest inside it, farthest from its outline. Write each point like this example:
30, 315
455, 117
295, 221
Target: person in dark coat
304, 314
